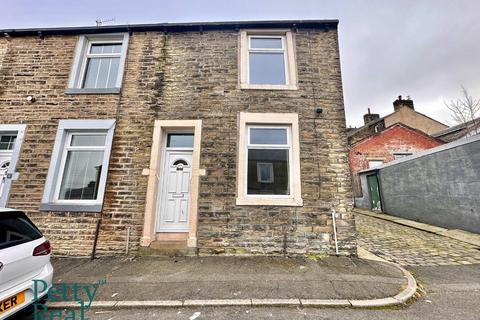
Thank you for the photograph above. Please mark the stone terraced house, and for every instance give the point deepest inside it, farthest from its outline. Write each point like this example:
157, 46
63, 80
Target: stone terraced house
209, 138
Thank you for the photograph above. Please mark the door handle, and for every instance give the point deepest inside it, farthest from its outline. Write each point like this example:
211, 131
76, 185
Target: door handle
177, 195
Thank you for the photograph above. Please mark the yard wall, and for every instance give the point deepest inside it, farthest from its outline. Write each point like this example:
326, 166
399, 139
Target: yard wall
439, 187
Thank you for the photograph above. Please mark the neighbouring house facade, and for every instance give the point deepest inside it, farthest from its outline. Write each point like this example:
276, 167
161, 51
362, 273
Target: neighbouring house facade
395, 142
201, 134
384, 139
404, 112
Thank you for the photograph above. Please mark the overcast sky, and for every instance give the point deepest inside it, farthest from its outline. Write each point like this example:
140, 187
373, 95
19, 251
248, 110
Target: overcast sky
423, 48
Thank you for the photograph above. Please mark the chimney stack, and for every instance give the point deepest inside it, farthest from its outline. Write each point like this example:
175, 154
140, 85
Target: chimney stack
399, 103
369, 117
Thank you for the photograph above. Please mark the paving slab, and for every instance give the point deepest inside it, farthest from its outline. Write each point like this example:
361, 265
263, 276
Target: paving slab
219, 278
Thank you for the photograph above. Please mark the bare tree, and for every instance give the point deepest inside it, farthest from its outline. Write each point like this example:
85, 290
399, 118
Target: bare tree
465, 110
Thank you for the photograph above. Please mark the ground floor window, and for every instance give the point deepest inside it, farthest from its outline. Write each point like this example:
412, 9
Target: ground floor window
268, 168
269, 160
77, 175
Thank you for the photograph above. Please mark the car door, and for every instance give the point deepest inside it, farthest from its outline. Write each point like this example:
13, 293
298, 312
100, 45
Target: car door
18, 240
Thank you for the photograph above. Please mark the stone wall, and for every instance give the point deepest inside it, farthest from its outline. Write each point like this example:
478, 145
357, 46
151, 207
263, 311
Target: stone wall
187, 75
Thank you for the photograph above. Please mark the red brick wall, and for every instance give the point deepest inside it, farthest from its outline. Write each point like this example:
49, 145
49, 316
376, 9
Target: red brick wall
382, 146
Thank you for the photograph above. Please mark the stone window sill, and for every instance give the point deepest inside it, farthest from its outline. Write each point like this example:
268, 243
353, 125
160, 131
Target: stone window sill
254, 201
70, 207
92, 91
248, 86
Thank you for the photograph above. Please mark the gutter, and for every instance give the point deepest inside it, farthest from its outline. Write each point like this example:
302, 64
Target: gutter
172, 27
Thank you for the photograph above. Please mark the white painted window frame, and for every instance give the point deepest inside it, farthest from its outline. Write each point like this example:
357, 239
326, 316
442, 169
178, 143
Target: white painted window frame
282, 50
277, 120
68, 147
65, 130
288, 48
82, 54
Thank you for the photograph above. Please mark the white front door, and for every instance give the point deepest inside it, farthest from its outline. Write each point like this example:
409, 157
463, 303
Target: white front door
174, 192
7, 145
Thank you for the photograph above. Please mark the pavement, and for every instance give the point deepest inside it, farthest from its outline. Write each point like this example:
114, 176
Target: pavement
452, 292
240, 280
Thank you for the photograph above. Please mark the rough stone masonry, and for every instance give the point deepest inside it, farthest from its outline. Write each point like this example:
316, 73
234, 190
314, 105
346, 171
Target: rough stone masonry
183, 75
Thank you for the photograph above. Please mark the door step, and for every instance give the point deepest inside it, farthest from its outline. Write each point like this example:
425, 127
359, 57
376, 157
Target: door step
168, 248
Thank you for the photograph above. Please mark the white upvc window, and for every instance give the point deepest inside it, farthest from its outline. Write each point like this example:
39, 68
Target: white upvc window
269, 152
79, 165
269, 160
267, 60
99, 64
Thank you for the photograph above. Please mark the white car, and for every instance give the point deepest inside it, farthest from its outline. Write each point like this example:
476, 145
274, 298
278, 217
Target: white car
24, 257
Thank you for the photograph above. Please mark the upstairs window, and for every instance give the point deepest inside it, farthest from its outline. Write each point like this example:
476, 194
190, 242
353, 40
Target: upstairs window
267, 60
99, 64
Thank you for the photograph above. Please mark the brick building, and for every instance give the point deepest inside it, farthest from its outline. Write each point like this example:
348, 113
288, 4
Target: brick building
404, 112
392, 143
204, 135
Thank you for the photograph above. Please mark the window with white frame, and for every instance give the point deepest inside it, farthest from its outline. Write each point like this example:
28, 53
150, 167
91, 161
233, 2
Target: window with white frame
81, 166
77, 175
267, 60
268, 160
269, 156
99, 63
